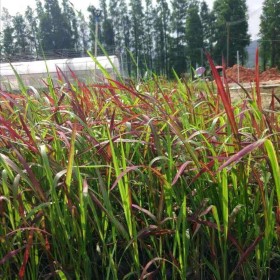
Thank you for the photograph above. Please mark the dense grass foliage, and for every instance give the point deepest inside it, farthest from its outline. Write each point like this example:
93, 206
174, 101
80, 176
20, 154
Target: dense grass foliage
163, 180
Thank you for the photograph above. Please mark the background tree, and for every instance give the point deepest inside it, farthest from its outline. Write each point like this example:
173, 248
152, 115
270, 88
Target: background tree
178, 42
194, 35
83, 31
231, 23
269, 31
148, 34
106, 33
162, 37
125, 37
7, 46
20, 35
39, 9
32, 30
121, 25
70, 25
45, 33
54, 32
207, 21
115, 16
137, 33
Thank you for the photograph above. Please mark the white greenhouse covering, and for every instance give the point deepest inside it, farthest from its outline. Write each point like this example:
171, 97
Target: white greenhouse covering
33, 73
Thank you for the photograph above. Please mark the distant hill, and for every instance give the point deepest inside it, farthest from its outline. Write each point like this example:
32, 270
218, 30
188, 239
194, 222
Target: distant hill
251, 49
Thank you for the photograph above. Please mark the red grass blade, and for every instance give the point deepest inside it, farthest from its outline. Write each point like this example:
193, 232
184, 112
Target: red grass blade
27, 131
85, 90
225, 80
32, 177
214, 226
257, 80
128, 169
26, 255
180, 171
22, 229
225, 99
112, 122
10, 255
145, 272
245, 255
145, 211
58, 73
206, 168
239, 155
14, 135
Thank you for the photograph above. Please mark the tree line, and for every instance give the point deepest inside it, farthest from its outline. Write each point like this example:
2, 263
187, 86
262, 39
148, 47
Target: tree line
159, 36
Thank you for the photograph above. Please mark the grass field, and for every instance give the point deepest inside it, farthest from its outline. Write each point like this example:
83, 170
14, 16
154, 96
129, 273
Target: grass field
161, 180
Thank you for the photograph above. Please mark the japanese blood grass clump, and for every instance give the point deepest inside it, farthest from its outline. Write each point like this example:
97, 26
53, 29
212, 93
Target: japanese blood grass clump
113, 182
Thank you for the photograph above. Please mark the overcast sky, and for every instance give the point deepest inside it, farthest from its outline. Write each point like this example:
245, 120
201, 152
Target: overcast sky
255, 6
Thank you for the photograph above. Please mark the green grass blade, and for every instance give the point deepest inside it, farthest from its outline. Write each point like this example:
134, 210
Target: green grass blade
274, 166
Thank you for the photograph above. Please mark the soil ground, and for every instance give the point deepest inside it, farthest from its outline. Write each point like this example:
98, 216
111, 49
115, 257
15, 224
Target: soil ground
269, 83
247, 75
